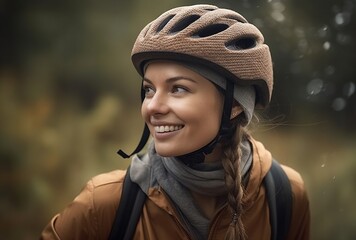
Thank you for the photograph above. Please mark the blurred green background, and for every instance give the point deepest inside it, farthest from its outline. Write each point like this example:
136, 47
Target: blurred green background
69, 98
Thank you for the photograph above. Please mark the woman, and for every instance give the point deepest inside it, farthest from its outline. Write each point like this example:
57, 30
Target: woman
204, 70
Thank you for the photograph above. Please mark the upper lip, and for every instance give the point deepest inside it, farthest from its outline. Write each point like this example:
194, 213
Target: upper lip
163, 123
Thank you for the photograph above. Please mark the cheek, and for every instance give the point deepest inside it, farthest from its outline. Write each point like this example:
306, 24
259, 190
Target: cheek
206, 115
212, 113
212, 107
202, 126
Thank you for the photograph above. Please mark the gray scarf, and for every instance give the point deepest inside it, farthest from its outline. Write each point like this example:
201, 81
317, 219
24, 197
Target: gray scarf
177, 180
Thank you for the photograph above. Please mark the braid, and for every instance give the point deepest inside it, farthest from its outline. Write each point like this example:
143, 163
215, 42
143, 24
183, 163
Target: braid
231, 159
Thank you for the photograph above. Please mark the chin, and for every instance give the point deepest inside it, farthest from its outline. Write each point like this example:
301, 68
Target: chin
165, 152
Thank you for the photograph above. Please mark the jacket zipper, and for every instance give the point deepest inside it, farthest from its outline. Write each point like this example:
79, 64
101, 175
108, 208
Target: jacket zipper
174, 215
215, 220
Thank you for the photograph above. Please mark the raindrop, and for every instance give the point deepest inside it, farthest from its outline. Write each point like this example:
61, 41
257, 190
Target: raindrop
326, 45
349, 89
342, 18
277, 13
334, 178
323, 165
339, 19
338, 104
322, 32
278, 16
330, 70
315, 86
343, 39
278, 6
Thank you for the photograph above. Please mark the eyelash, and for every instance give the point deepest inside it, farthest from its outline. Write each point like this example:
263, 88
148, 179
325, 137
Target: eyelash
175, 89
147, 88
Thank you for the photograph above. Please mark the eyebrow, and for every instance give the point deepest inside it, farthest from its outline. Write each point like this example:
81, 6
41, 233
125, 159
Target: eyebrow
172, 79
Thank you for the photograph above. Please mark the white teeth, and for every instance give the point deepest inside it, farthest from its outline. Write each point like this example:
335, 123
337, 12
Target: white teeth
162, 129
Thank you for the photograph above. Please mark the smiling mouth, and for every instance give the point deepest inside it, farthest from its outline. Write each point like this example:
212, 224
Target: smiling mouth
164, 129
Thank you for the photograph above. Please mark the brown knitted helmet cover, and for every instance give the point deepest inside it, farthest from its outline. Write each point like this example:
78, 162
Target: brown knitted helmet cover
211, 36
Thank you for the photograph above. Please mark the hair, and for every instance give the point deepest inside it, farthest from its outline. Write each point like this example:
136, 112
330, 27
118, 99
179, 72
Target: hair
233, 181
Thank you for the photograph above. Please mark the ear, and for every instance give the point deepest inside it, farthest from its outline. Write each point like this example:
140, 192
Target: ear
236, 110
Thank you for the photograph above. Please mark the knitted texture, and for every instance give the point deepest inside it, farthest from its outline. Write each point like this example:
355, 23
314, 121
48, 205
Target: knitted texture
211, 36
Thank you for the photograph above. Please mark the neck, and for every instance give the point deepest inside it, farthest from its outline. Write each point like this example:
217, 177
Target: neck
214, 156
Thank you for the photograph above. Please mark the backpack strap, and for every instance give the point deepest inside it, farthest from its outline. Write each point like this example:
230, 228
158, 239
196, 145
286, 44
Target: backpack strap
129, 211
279, 196
278, 191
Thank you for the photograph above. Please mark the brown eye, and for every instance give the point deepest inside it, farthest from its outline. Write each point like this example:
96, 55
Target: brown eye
179, 89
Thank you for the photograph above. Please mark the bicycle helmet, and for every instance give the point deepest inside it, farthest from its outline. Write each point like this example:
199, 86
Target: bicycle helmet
218, 39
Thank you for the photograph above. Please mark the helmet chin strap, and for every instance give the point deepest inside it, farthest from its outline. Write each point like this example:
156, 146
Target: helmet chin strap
144, 137
140, 146
197, 156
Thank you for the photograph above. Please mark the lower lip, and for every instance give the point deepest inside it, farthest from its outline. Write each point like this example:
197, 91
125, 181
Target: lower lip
165, 135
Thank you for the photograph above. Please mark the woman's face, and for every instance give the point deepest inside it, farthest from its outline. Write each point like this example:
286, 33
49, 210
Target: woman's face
181, 108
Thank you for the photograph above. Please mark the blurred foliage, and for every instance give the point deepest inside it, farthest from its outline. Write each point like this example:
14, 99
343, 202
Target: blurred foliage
69, 98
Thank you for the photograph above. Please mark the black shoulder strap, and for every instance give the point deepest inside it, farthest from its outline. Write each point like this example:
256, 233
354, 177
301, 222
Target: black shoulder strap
279, 195
278, 191
129, 211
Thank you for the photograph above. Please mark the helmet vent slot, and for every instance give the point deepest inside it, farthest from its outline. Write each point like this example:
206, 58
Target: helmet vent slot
241, 43
209, 9
164, 23
184, 23
210, 30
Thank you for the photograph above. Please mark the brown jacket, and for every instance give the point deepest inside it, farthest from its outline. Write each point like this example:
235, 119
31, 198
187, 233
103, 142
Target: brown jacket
91, 214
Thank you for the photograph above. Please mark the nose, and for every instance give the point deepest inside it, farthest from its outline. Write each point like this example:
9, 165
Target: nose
156, 105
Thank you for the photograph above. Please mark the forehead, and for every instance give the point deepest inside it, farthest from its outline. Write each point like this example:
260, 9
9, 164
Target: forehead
170, 69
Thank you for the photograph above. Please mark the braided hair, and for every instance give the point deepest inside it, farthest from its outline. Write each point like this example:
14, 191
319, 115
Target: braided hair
233, 181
